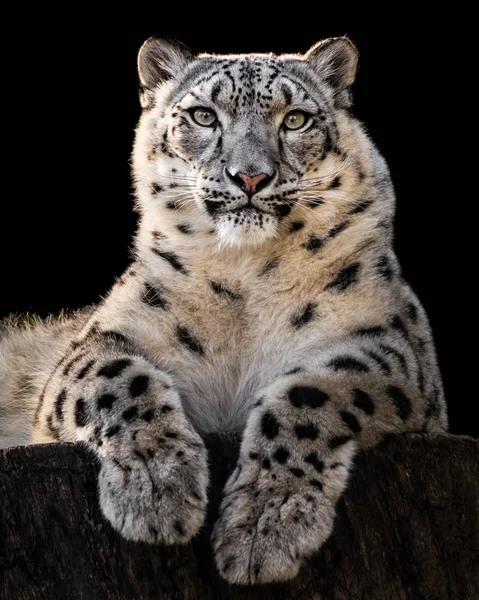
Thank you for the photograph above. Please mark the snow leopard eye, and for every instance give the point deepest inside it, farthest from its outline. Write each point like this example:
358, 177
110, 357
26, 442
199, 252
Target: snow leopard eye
295, 119
203, 116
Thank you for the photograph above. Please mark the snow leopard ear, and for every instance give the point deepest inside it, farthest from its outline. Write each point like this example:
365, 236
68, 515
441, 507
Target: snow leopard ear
335, 60
159, 60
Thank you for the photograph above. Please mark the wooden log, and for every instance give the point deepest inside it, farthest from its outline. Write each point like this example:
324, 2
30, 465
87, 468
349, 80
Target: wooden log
407, 529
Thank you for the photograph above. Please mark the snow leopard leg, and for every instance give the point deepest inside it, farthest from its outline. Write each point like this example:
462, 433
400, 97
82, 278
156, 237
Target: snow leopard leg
296, 456
153, 477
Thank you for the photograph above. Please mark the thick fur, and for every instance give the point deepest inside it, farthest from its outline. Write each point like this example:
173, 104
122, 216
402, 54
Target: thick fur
281, 314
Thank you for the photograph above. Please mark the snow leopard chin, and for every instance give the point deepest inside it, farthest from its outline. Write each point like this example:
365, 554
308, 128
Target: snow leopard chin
244, 228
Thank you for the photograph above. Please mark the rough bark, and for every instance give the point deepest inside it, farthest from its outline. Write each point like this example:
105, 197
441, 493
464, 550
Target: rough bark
407, 529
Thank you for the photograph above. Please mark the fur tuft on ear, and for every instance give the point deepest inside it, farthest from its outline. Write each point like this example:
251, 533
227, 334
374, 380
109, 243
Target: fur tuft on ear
159, 60
335, 60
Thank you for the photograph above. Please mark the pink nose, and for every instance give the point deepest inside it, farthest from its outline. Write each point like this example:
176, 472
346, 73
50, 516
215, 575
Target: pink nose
252, 182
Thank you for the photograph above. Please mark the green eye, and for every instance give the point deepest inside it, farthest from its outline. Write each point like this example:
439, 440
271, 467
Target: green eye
295, 119
203, 116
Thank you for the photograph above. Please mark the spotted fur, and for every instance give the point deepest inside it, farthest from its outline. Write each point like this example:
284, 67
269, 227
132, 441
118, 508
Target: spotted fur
265, 299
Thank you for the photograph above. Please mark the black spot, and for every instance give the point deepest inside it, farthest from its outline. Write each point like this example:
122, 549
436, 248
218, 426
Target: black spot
59, 404
313, 459
316, 202
114, 368
297, 472
124, 467
334, 231
171, 434
397, 355
156, 235
166, 408
139, 385
282, 210
420, 380
363, 401
313, 244
304, 317
348, 363
316, 484
281, 455
345, 278
360, 207
139, 455
214, 93
271, 264
147, 415
378, 359
301, 396
335, 183
266, 464
398, 324
179, 527
287, 94
213, 206
130, 413
294, 371
185, 228
219, 288
339, 440
369, 331
400, 401
188, 340
384, 268
153, 530
173, 259
54, 431
86, 369
116, 337
308, 431
113, 430
81, 417
296, 226
153, 295
73, 361
411, 312
254, 455
106, 401
269, 425
350, 420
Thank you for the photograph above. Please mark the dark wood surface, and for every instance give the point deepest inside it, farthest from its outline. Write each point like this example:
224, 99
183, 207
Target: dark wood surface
407, 529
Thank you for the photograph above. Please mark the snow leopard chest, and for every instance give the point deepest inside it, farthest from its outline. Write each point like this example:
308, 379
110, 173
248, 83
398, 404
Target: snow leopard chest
224, 339
230, 357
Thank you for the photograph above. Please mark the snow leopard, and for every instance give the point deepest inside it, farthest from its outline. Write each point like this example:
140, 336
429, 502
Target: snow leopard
264, 300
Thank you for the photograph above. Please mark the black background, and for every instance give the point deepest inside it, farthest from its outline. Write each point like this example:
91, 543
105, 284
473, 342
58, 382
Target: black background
71, 89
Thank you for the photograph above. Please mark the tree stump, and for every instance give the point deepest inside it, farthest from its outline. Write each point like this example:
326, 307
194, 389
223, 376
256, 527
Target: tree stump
407, 529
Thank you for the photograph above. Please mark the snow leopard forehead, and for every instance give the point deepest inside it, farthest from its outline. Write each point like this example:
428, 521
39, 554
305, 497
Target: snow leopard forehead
328, 68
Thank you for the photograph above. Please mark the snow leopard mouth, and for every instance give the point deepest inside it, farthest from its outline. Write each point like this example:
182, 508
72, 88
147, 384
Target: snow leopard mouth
247, 212
248, 215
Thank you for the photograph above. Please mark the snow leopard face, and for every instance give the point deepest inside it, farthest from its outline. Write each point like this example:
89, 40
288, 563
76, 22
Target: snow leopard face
242, 138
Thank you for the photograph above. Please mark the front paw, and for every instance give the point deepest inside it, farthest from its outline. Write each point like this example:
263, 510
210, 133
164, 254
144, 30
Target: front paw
158, 495
268, 524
